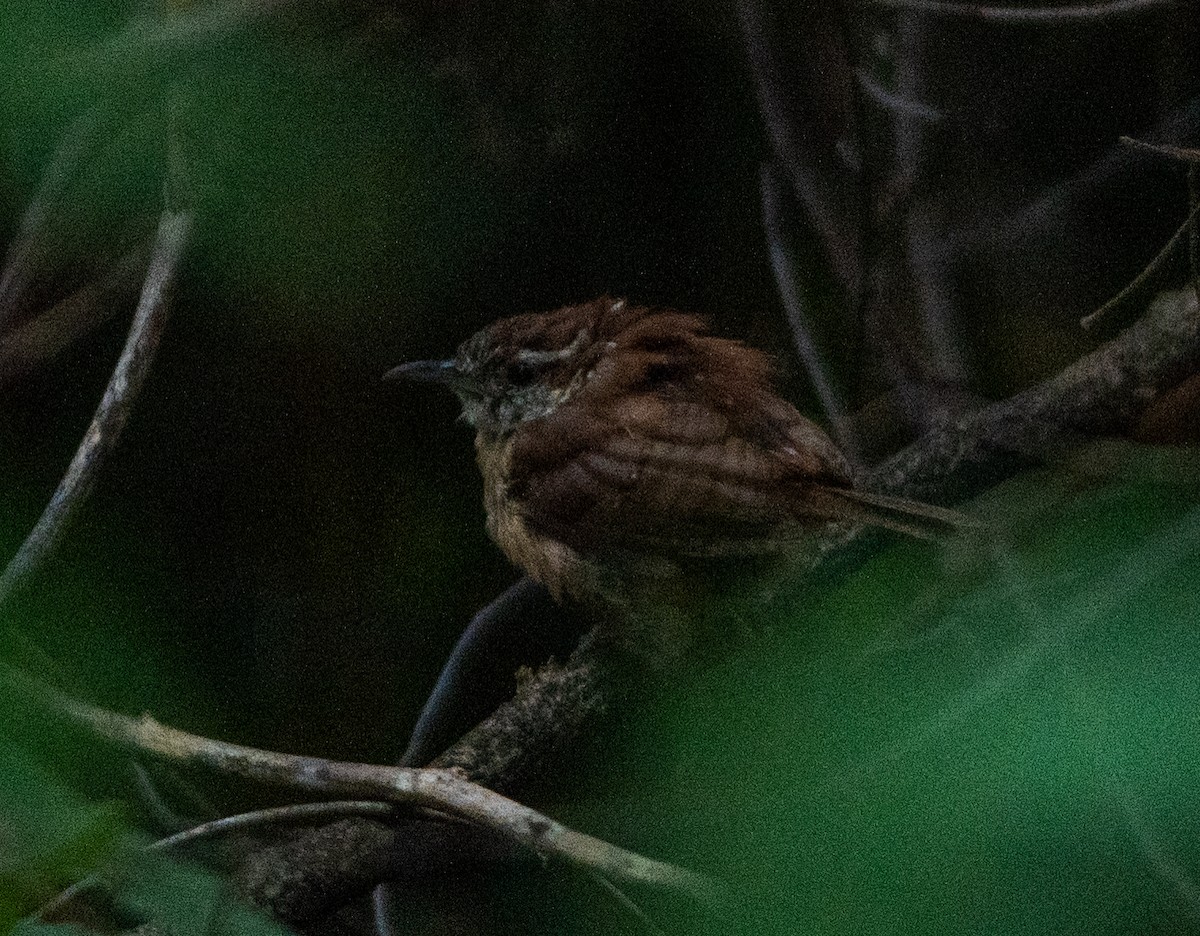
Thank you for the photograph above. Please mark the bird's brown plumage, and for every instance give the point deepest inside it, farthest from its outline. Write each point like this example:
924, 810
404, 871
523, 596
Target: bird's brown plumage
674, 443
628, 454
633, 461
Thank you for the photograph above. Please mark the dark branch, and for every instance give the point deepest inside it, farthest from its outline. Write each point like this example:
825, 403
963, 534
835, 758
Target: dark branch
788, 282
806, 159
1020, 15
1101, 393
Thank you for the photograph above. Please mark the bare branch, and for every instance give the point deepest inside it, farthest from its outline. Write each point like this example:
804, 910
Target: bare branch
1101, 393
1049, 15
113, 411
440, 789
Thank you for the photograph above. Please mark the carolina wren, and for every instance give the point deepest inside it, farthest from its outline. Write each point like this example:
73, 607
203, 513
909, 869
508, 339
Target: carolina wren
628, 457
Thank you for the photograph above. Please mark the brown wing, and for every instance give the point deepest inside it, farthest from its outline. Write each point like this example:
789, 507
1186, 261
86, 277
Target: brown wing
672, 476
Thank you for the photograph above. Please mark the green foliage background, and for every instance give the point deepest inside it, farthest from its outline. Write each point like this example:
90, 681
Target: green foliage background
993, 739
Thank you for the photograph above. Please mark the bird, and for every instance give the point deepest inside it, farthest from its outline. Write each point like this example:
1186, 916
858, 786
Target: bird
633, 462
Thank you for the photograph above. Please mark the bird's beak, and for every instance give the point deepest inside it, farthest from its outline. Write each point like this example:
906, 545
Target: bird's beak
439, 372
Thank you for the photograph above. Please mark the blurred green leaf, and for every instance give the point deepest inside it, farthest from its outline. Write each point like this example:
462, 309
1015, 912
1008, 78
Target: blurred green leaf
49, 834
927, 751
189, 902
30, 928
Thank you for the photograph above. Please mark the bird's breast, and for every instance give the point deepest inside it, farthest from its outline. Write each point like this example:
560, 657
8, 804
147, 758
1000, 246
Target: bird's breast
543, 558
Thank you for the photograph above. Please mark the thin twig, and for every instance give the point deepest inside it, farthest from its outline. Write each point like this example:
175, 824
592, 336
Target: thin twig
25, 253
444, 790
1032, 15
787, 281
113, 411
1189, 226
165, 818
897, 103
1148, 271
1193, 178
826, 194
1185, 154
202, 809
295, 814
627, 903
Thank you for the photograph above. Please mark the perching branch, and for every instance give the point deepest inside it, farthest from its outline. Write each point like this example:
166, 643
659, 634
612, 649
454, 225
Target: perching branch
113, 411
440, 789
1102, 393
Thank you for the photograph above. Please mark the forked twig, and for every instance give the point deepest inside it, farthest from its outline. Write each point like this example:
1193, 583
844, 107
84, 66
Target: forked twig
113, 411
443, 790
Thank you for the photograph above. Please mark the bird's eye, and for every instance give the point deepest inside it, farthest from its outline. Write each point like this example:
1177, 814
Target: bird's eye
520, 373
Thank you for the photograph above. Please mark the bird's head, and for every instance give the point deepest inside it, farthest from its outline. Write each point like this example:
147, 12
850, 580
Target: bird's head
520, 368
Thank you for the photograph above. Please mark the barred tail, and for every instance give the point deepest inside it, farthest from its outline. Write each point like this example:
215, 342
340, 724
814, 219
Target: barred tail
912, 518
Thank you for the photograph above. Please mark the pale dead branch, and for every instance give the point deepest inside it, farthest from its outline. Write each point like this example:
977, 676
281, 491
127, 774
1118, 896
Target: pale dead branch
439, 789
115, 406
